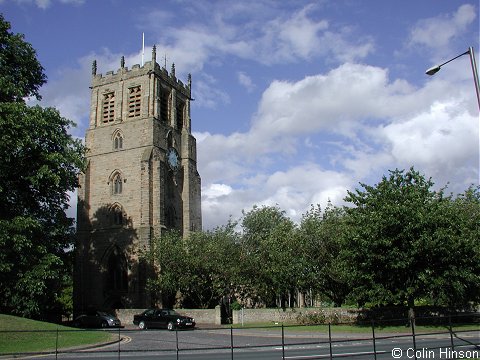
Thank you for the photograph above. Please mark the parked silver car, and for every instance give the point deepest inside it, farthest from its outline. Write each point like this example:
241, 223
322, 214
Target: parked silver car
97, 319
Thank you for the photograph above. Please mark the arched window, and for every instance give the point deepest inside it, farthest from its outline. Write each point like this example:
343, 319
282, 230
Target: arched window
170, 217
118, 141
117, 214
117, 275
169, 139
117, 184
115, 181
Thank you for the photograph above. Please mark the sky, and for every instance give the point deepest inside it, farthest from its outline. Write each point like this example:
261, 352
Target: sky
296, 101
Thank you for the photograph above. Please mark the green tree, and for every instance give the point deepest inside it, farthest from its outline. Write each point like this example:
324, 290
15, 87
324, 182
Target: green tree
269, 256
213, 257
21, 75
169, 258
453, 275
324, 237
409, 244
196, 271
39, 164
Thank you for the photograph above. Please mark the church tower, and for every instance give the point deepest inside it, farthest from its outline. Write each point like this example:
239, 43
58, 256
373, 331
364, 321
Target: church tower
141, 180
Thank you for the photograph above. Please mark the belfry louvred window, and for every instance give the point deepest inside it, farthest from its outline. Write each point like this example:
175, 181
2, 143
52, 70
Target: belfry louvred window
134, 101
108, 107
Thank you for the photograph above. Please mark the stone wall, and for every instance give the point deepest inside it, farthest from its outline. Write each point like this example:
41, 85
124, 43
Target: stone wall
201, 316
291, 315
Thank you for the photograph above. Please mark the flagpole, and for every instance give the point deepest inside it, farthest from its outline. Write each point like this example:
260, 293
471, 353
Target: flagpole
143, 46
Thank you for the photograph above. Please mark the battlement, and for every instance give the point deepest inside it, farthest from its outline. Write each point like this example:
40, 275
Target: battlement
149, 68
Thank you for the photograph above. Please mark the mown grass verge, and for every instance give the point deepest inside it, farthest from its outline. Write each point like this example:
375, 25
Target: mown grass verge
342, 328
20, 335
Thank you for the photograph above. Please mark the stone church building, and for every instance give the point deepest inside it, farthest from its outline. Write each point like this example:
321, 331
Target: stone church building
141, 180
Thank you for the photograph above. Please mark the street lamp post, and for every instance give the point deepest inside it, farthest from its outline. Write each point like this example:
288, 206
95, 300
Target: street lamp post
433, 70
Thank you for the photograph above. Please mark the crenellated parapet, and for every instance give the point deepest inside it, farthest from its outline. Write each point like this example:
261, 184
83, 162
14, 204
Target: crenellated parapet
147, 91
149, 68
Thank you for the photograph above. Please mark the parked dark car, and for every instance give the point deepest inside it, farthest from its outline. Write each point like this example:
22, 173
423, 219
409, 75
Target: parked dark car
97, 319
163, 318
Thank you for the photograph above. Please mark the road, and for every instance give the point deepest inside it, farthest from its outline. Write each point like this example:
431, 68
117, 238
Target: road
266, 344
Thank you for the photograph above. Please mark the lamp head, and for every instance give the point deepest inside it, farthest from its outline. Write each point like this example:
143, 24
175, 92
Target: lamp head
433, 70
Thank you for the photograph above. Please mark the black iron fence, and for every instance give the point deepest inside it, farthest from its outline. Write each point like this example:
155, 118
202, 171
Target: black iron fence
442, 337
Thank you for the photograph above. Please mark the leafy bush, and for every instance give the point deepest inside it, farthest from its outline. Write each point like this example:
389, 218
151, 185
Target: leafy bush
236, 305
312, 318
320, 317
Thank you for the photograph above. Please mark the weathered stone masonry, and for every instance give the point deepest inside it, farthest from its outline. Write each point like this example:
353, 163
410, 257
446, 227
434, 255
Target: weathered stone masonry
134, 187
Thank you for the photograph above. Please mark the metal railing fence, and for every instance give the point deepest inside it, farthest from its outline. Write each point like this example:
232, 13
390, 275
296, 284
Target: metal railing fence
454, 332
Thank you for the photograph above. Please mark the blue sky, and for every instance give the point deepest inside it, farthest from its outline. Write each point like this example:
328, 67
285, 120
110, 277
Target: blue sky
296, 102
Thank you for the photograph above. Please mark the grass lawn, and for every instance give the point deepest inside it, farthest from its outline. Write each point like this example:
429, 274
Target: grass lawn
361, 329
382, 329
24, 335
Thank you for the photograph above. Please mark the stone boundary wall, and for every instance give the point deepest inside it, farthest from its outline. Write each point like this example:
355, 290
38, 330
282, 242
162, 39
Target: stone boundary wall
201, 316
290, 315
287, 316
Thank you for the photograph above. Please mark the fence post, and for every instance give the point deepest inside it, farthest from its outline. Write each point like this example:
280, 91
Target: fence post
231, 340
451, 332
283, 343
330, 340
176, 341
56, 345
412, 323
119, 340
374, 342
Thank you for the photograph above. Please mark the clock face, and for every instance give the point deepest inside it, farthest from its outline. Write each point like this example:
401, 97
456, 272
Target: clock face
172, 159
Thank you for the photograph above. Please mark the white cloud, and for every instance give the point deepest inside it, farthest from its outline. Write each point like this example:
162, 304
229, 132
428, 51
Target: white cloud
438, 32
379, 124
296, 188
264, 35
214, 191
298, 37
293, 190
44, 4
336, 102
439, 140
291, 38
245, 81
75, 2
206, 92
255, 31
